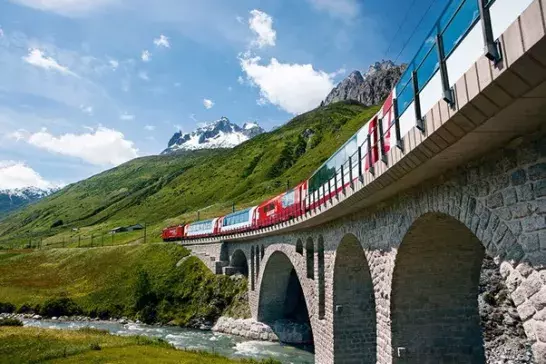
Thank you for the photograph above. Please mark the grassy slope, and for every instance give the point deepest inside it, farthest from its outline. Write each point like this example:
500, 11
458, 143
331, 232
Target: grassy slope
24, 345
104, 281
165, 190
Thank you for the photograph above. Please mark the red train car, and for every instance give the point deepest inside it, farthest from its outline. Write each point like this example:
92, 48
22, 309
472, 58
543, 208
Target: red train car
286, 206
173, 233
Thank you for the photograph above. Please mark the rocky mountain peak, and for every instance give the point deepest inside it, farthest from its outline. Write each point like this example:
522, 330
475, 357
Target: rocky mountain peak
221, 133
370, 89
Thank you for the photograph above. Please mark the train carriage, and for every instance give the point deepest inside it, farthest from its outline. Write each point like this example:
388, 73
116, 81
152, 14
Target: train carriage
202, 228
342, 168
173, 233
286, 206
237, 221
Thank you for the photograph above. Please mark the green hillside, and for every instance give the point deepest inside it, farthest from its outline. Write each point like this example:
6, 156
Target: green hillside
139, 281
162, 190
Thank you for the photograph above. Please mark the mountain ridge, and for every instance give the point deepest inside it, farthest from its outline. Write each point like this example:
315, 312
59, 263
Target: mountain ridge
369, 89
221, 133
13, 199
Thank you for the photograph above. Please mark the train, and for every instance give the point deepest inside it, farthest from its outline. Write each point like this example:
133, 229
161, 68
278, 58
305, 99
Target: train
341, 170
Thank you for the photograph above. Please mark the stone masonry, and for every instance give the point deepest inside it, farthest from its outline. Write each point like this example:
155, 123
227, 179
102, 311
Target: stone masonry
416, 283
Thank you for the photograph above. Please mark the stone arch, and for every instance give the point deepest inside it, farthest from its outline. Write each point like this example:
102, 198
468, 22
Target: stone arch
310, 258
355, 338
321, 279
239, 263
299, 247
262, 252
434, 298
282, 300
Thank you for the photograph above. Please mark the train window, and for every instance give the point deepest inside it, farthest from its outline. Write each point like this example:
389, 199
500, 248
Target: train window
288, 199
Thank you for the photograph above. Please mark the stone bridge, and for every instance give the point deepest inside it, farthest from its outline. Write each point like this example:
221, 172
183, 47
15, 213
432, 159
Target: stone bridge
388, 271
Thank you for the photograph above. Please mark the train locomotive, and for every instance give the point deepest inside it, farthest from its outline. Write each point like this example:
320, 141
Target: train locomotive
342, 169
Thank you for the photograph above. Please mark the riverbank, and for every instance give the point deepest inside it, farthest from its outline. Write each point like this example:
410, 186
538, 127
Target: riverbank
28, 344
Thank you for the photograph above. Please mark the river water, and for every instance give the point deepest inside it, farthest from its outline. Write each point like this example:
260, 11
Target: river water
226, 345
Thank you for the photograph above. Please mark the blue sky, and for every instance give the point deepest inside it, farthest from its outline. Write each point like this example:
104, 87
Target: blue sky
88, 84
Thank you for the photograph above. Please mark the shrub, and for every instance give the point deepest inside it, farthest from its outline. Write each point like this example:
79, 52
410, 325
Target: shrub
6, 308
25, 308
60, 307
95, 346
57, 224
10, 322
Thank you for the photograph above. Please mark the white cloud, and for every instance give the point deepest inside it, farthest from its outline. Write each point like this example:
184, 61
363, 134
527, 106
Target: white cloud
149, 128
18, 175
1, 33
295, 88
143, 76
114, 63
126, 117
37, 58
208, 104
102, 146
346, 9
66, 7
262, 25
87, 109
230, 88
240, 19
339, 72
162, 41
146, 56
241, 80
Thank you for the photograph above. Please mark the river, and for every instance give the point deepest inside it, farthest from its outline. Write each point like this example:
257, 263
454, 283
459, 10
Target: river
181, 338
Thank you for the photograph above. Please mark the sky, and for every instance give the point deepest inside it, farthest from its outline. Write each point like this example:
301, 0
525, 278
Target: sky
86, 85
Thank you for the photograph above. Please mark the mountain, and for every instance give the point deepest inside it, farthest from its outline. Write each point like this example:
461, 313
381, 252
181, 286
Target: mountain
170, 189
13, 199
219, 134
370, 89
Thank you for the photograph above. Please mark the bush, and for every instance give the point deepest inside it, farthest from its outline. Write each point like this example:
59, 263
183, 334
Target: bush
60, 307
57, 224
26, 308
95, 346
6, 308
10, 322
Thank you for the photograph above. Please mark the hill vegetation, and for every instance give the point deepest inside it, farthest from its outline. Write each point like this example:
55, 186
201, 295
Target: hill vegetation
136, 281
164, 190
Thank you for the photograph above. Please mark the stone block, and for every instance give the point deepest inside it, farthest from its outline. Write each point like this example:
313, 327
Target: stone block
537, 172
529, 242
539, 299
531, 285
509, 196
540, 188
540, 330
534, 223
518, 177
526, 310
525, 192
539, 351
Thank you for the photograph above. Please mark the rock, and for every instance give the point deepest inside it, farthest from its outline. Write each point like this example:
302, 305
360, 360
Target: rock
36, 317
370, 89
54, 318
122, 321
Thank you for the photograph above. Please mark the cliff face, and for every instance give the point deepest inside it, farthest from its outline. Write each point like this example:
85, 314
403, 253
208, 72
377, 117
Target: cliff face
370, 89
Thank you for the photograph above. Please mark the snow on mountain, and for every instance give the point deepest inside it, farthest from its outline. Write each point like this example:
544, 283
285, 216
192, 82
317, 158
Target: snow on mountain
15, 198
221, 133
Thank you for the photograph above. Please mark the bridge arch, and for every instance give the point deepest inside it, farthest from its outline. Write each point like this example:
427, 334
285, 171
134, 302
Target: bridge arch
355, 337
283, 299
434, 299
239, 262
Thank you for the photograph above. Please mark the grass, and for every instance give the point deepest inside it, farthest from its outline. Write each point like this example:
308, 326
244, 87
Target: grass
165, 190
32, 345
137, 281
